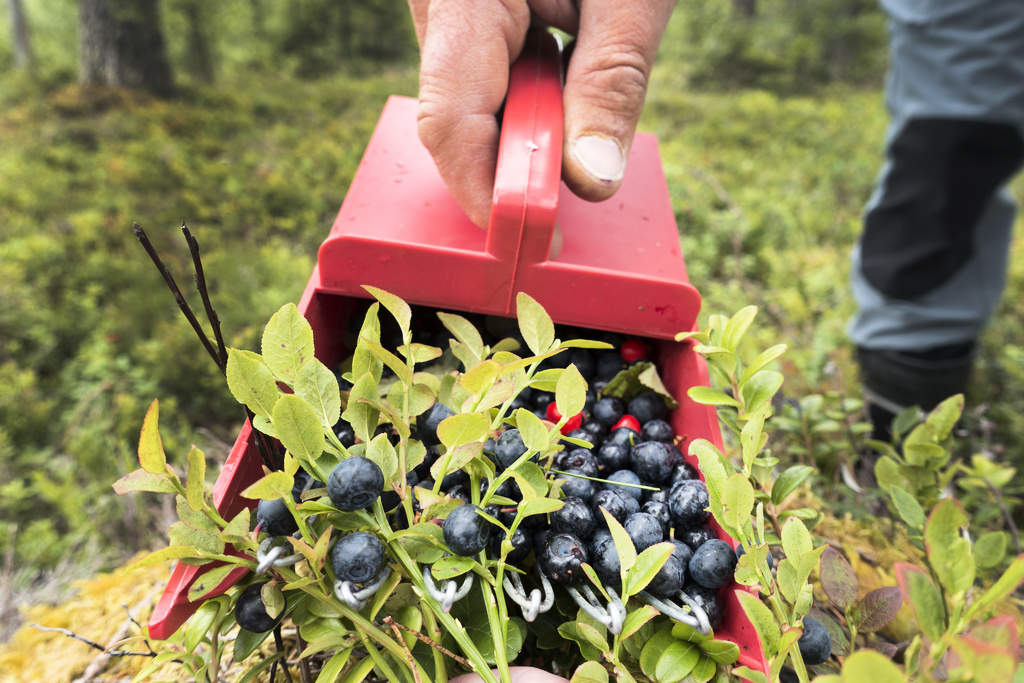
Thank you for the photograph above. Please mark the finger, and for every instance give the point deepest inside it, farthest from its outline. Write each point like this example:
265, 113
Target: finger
605, 88
418, 10
520, 674
467, 50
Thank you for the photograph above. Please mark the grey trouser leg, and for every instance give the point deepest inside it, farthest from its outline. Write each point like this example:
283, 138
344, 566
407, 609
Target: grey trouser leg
931, 264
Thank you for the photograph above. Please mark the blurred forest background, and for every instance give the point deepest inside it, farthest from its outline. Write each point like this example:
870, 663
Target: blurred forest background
248, 123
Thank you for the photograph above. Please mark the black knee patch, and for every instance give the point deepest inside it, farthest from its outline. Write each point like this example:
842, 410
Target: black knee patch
943, 173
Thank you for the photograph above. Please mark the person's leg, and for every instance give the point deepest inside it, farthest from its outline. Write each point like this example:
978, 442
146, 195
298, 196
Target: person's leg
930, 266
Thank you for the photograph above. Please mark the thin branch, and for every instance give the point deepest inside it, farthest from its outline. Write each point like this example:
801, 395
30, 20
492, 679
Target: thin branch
279, 642
93, 644
182, 304
204, 293
1006, 515
398, 635
305, 673
437, 646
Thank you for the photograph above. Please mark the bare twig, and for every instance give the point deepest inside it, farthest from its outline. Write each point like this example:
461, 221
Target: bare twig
279, 642
182, 304
204, 293
398, 635
93, 644
1006, 515
304, 672
435, 645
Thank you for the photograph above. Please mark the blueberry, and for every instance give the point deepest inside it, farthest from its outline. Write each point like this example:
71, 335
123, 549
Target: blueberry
574, 517
522, 544
610, 501
713, 564
358, 557
459, 492
584, 362
275, 518
651, 460
624, 436
682, 551
576, 485
648, 406
815, 643
608, 410
465, 532
427, 422
595, 427
541, 399
605, 561
355, 483
540, 538
683, 471
562, 558
583, 435
456, 478
644, 530
657, 430
345, 433
613, 457
660, 512
669, 580
578, 459
509, 447
695, 536
624, 477
707, 600
609, 363
659, 496
251, 613
688, 502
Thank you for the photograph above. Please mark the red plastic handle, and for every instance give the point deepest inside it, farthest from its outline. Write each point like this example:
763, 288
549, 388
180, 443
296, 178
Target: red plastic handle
529, 170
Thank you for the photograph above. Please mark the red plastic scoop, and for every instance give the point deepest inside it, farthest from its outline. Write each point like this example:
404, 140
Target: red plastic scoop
620, 269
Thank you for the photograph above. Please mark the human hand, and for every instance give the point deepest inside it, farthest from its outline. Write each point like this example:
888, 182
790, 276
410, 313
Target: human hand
520, 674
467, 47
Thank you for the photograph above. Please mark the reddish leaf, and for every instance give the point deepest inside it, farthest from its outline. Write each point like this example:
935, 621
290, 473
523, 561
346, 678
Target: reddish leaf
887, 649
838, 579
879, 607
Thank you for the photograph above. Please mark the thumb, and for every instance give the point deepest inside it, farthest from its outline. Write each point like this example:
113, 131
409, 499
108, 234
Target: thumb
605, 88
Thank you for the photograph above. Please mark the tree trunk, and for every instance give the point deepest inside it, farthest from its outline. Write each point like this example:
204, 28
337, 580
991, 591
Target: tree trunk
747, 9
122, 46
199, 58
23, 57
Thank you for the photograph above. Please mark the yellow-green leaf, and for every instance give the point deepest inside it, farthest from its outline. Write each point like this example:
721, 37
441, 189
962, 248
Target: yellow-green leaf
195, 486
395, 305
298, 428
151, 447
141, 480
535, 324
869, 665
271, 487
251, 382
462, 428
570, 392
287, 343
464, 332
318, 387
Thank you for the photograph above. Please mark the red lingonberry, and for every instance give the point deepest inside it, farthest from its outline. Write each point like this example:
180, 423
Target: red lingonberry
633, 350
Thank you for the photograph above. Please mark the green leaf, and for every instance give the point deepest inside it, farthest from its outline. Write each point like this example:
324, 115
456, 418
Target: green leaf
949, 553
174, 552
722, 651
990, 549
704, 669
462, 428
335, 665
397, 365
737, 502
451, 566
535, 435
623, 544
635, 619
796, 540
141, 480
539, 506
208, 581
648, 564
924, 454
589, 672
287, 343
464, 332
298, 428
1006, 584
763, 621
535, 324
271, 487
381, 452
363, 361
151, 447
789, 481
676, 661
318, 387
760, 388
480, 377
752, 437
712, 465
649, 378
888, 474
711, 397
838, 579
570, 392
907, 507
273, 599
423, 542
924, 598
246, 643
251, 382
202, 540
787, 576
943, 417
759, 363
878, 608
361, 415
737, 327
195, 487
869, 665
199, 624
653, 649
749, 674
395, 305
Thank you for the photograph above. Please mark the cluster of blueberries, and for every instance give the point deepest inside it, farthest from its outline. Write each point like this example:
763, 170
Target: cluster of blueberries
646, 485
